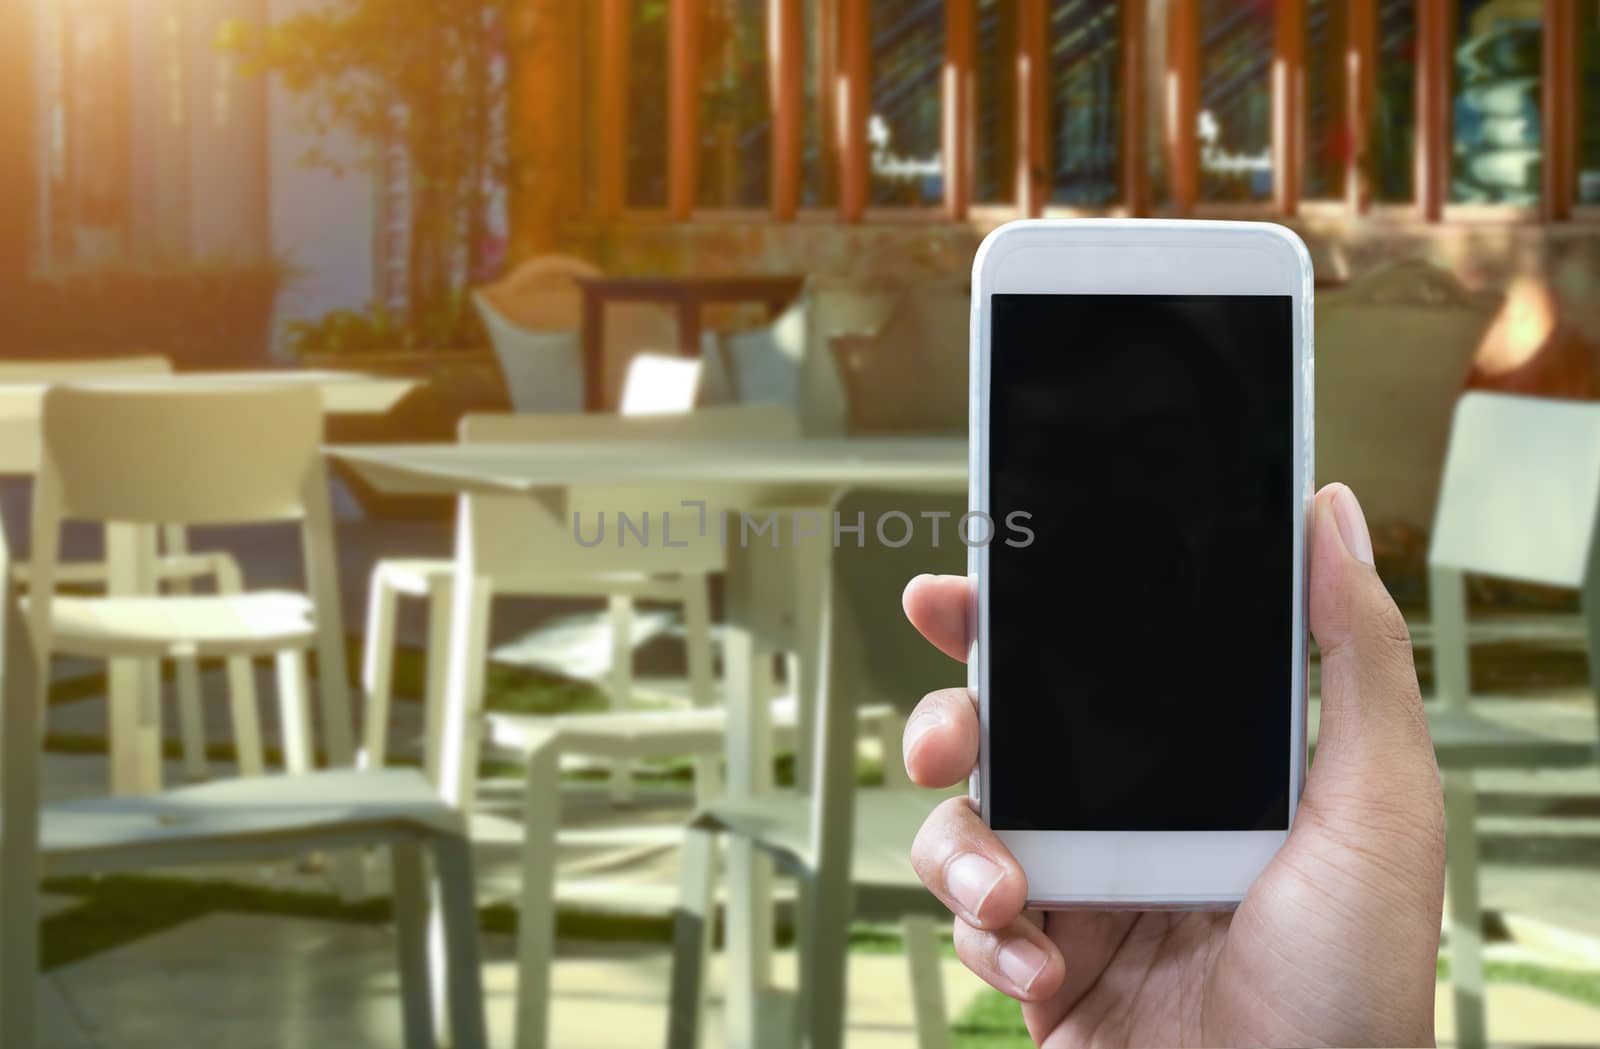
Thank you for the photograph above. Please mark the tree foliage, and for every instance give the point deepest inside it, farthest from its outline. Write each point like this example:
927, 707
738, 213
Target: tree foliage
425, 76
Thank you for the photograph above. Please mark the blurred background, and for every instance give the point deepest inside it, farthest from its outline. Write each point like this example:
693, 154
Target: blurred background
452, 192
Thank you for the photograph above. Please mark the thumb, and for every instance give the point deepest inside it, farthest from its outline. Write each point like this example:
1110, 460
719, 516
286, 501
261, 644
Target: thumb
1374, 741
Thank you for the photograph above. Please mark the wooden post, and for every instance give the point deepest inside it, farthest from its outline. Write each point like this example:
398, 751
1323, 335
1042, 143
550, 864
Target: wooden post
960, 48
1433, 107
684, 19
18, 144
1135, 166
546, 133
1183, 98
611, 110
1360, 90
1033, 117
853, 92
786, 86
1560, 171
1288, 109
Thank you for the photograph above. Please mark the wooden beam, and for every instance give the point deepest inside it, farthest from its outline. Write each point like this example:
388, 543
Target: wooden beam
1033, 116
1288, 106
611, 102
960, 52
1433, 107
1560, 168
1183, 104
1360, 93
853, 93
684, 19
1135, 164
546, 187
786, 86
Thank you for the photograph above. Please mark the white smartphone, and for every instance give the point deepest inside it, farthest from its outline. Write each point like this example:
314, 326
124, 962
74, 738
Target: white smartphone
1141, 423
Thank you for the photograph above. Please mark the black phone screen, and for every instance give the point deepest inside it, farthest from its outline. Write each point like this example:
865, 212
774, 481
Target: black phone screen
1140, 639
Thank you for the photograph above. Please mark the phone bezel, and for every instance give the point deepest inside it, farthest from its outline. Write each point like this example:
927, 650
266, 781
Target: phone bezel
1142, 869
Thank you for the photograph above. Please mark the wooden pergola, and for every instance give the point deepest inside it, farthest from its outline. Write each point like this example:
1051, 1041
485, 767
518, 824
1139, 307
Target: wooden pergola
557, 163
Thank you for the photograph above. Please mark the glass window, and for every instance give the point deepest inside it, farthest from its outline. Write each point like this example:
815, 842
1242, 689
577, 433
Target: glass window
1588, 144
1393, 143
1084, 61
1495, 112
903, 129
735, 109
994, 107
647, 104
1235, 131
1327, 141
819, 176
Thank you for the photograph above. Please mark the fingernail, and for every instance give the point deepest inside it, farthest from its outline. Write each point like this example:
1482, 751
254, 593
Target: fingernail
923, 719
970, 878
1352, 525
1021, 961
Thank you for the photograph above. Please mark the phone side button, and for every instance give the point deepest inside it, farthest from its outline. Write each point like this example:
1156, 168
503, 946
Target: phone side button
973, 791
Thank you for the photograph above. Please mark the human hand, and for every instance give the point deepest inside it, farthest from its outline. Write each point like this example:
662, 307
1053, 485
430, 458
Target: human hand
1335, 943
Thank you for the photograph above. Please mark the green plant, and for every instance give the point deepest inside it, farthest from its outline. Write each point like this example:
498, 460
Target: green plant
376, 329
423, 75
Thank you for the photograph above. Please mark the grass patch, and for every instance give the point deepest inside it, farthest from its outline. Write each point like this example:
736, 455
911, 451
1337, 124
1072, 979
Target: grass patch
992, 1021
1578, 985
119, 909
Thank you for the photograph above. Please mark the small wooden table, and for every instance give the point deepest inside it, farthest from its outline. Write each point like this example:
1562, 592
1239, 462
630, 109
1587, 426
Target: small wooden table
688, 295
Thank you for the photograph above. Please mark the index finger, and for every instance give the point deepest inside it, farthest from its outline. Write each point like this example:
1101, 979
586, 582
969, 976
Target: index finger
939, 606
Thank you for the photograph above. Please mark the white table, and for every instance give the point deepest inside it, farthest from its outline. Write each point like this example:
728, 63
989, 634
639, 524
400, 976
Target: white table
749, 476
135, 735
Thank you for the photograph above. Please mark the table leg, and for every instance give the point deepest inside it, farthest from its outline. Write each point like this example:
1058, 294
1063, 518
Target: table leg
750, 873
133, 692
594, 351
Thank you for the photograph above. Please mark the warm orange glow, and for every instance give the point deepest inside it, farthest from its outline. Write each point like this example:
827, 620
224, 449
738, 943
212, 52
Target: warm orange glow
1521, 329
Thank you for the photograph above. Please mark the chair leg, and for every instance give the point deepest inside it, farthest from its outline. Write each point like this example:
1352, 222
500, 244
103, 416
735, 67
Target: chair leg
243, 706
411, 928
692, 929
191, 720
1466, 914
702, 676
536, 916
294, 711
824, 933
457, 968
245, 712
377, 668
438, 671
621, 688
927, 981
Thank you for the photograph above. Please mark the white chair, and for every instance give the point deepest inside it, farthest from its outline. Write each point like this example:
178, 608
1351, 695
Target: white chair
1518, 501
176, 567
849, 850
525, 548
1383, 397
790, 361
143, 457
241, 820
533, 316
